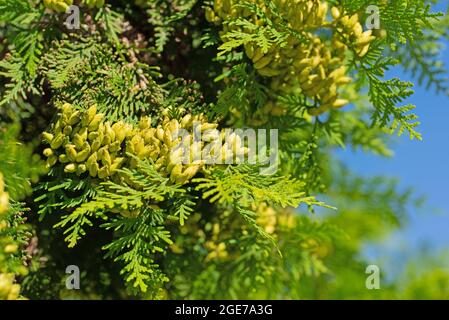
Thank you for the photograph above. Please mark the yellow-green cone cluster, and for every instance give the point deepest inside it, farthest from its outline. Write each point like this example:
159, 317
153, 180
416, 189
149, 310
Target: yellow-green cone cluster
4, 197
350, 33
84, 142
163, 145
8, 289
314, 66
94, 3
58, 5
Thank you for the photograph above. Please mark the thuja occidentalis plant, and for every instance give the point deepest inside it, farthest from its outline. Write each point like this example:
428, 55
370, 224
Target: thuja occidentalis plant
102, 101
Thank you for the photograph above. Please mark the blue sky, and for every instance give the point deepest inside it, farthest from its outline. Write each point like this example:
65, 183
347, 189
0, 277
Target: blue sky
423, 165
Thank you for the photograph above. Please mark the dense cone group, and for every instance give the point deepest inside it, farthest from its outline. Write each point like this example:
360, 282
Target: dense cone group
84, 142
58, 5
63, 5
8, 289
314, 65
